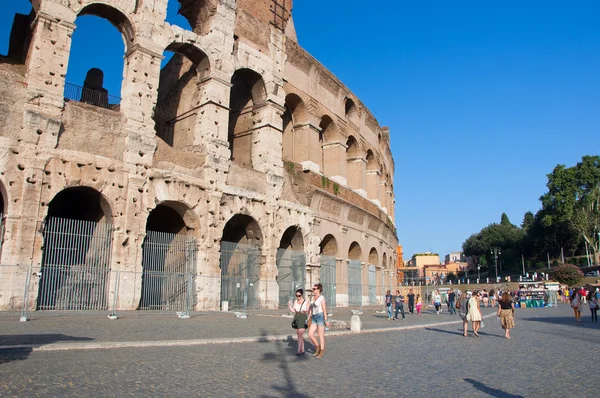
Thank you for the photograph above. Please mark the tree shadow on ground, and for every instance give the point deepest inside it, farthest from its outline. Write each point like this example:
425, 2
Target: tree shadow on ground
564, 320
31, 341
494, 392
284, 349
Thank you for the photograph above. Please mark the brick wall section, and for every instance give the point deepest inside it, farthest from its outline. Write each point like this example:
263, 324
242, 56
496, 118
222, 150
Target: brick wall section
254, 19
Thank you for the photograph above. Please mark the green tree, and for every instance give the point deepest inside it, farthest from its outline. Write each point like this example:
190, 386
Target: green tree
571, 205
451, 276
504, 220
528, 220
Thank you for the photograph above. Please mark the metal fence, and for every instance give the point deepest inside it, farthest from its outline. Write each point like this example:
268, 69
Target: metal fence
372, 284
240, 275
90, 96
169, 264
328, 279
355, 283
291, 267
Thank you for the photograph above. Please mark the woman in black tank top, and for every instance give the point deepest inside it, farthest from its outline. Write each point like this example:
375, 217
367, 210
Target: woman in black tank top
506, 311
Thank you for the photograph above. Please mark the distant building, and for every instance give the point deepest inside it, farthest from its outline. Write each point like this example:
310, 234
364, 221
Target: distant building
455, 257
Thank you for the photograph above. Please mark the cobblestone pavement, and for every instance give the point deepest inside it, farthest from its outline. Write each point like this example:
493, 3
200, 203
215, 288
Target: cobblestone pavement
547, 357
44, 329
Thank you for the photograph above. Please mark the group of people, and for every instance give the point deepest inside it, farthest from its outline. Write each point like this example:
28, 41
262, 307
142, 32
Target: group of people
397, 303
310, 315
580, 297
469, 310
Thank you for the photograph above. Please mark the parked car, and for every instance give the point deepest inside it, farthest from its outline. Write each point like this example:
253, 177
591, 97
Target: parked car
593, 273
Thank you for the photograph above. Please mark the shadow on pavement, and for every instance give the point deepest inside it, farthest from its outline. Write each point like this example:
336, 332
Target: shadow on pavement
494, 392
564, 320
21, 353
280, 356
459, 332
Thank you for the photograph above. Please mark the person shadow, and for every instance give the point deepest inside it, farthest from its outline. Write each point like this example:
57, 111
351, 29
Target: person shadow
493, 392
19, 347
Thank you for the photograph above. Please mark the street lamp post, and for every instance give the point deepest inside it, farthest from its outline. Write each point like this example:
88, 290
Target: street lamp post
495, 252
478, 268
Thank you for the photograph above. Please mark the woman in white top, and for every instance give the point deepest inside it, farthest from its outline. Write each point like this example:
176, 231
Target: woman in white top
318, 314
474, 313
300, 310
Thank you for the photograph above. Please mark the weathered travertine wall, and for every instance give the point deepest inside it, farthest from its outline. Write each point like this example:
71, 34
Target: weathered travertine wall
242, 124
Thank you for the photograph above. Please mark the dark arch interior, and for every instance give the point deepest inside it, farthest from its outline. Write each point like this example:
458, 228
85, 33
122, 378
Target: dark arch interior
80, 203
355, 251
2, 209
373, 257
242, 229
328, 246
292, 239
165, 219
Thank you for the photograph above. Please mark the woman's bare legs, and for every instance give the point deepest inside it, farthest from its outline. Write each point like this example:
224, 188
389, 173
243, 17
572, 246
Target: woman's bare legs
300, 341
321, 330
311, 332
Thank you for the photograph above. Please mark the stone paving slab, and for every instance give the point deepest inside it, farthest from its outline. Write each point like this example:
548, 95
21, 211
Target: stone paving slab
44, 332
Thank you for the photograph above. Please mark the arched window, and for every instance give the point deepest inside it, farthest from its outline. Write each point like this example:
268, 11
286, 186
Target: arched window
196, 13
14, 29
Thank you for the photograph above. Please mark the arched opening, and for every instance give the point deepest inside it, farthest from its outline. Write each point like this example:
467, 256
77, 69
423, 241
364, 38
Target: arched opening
291, 264
372, 269
247, 92
292, 145
353, 163
329, 251
178, 99
76, 256
331, 148
351, 111
354, 274
240, 262
197, 14
174, 16
168, 259
95, 69
383, 276
15, 32
2, 215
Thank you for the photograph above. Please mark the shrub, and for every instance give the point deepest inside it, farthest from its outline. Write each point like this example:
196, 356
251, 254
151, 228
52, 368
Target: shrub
567, 274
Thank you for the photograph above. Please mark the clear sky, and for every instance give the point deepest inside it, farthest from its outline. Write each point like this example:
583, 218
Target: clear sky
482, 98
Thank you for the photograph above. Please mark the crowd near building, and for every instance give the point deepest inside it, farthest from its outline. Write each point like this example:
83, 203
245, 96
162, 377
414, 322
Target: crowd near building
239, 171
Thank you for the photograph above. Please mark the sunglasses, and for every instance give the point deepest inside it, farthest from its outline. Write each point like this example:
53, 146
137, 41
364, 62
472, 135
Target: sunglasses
298, 295
315, 288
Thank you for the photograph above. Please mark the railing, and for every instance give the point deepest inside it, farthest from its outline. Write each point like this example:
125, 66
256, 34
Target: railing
92, 97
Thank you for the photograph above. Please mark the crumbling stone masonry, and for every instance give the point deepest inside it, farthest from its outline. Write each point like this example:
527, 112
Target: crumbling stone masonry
242, 138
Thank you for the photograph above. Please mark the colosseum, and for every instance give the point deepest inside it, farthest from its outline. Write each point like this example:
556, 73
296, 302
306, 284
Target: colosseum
239, 171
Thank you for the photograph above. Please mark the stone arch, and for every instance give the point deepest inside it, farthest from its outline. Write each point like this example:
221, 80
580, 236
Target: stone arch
176, 110
350, 110
354, 164
20, 32
168, 258
372, 176
92, 90
291, 264
76, 256
354, 251
3, 201
373, 256
329, 130
247, 92
332, 148
240, 262
198, 13
295, 113
329, 246
372, 164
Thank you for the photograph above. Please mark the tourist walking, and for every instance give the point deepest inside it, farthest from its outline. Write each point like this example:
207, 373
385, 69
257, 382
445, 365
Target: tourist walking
451, 300
506, 313
486, 298
493, 297
593, 304
299, 308
576, 304
463, 308
399, 304
318, 313
419, 304
474, 314
436, 299
388, 305
411, 302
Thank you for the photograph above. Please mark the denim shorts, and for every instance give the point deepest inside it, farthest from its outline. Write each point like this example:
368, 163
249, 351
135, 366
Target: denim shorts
318, 319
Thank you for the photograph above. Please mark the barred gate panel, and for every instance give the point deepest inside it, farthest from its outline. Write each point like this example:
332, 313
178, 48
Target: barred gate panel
354, 282
240, 275
168, 265
328, 279
75, 265
372, 285
291, 267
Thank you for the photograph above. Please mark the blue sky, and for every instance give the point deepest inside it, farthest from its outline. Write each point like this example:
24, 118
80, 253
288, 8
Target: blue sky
482, 98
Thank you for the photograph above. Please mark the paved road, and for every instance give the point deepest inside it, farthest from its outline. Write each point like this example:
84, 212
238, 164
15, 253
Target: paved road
424, 362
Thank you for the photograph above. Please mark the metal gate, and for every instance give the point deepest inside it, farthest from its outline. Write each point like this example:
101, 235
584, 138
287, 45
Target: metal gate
75, 265
291, 267
240, 273
354, 282
168, 269
328, 278
372, 285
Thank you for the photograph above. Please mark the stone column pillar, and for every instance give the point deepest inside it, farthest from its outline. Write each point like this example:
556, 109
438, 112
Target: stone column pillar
383, 193
334, 162
139, 95
46, 65
307, 146
372, 183
341, 282
356, 174
267, 139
